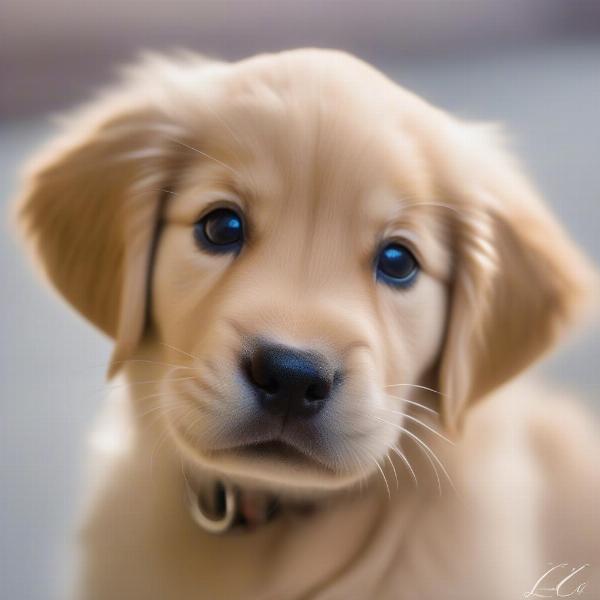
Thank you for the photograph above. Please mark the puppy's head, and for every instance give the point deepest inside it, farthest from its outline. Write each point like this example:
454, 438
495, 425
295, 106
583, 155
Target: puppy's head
311, 243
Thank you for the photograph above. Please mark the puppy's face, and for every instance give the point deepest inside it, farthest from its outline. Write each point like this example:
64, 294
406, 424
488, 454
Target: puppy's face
327, 243
297, 268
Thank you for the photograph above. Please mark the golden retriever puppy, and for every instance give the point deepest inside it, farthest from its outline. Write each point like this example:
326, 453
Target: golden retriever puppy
319, 287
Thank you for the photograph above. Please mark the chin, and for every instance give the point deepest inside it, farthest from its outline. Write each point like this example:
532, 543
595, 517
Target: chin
274, 466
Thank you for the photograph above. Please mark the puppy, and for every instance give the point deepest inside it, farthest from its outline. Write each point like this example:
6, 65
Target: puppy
319, 287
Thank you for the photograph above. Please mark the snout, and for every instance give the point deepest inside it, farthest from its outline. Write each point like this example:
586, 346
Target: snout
287, 405
288, 382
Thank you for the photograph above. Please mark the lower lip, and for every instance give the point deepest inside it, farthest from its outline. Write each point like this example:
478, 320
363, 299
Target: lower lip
278, 451
273, 448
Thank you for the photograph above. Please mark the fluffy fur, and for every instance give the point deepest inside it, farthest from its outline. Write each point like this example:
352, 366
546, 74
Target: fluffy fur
325, 157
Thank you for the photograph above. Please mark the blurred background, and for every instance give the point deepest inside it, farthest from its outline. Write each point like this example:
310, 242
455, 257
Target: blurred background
533, 65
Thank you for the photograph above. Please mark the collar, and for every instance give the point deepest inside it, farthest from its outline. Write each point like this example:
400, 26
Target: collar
219, 507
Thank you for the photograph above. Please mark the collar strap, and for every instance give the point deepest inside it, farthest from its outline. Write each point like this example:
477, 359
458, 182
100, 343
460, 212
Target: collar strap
223, 507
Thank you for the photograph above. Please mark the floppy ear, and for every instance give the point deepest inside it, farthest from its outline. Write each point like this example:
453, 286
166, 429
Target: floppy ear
519, 280
90, 207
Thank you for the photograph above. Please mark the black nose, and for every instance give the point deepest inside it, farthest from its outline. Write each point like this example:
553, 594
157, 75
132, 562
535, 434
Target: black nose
289, 382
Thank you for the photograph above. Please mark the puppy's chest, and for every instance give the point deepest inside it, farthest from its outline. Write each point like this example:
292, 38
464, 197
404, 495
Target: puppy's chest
147, 546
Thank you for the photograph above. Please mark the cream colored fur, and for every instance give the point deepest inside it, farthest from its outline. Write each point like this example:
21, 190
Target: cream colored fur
325, 157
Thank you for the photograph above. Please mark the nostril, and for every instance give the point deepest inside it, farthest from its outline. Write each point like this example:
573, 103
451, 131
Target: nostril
317, 391
260, 379
270, 386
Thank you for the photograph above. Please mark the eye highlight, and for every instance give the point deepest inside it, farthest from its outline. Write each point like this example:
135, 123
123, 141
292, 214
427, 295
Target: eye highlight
396, 265
220, 231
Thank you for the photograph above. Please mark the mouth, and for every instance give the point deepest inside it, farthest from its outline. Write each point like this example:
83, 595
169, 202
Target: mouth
278, 452
272, 464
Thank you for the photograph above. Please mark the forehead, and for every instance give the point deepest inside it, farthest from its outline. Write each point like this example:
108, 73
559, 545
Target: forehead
309, 146
313, 124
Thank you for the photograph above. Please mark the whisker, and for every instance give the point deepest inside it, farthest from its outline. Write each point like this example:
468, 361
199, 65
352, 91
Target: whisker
434, 431
433, 466
181, 351
125, 384
225, 124
168, 406
146, 381
237, 140
153, 362
421, 387
387, 487
157, 407
361, 468
180, 143
161, 440
190, 426
166, 434
413, 403
162, 410
393, 469
424, 445
401, 454
338, 458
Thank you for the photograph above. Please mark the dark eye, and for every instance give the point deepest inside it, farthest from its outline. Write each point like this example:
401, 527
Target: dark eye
219, 231
396, 265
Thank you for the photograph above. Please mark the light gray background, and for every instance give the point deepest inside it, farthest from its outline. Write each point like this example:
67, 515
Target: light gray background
540, 76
